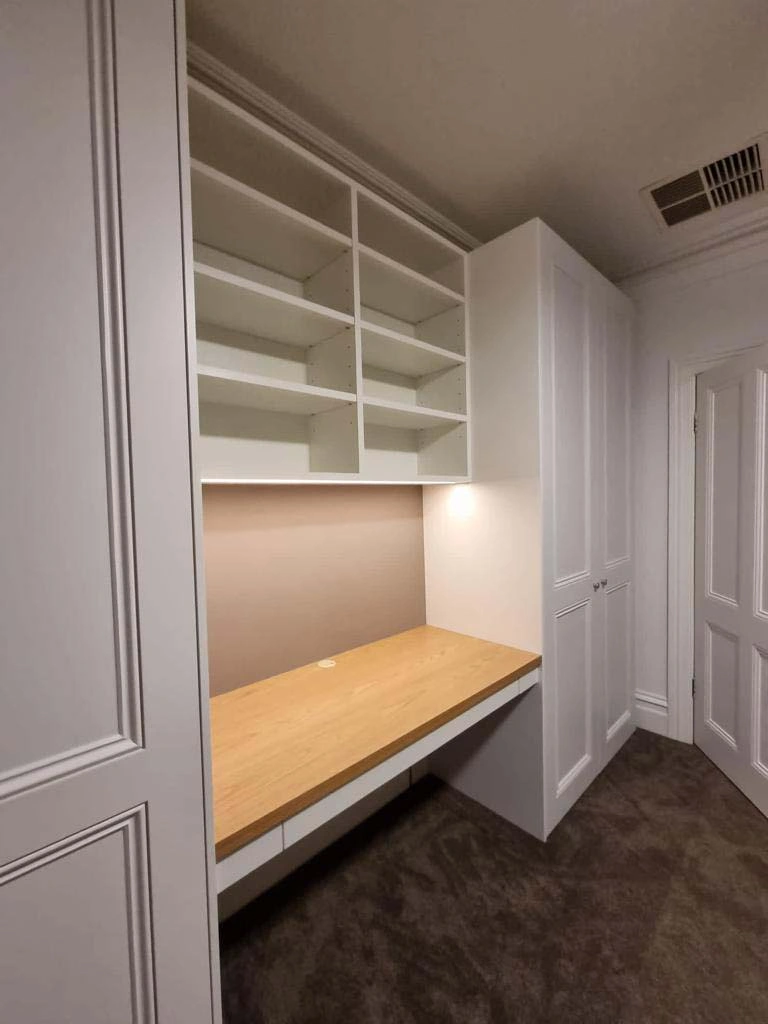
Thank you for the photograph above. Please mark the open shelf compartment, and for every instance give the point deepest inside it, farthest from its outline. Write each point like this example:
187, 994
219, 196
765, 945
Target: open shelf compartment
329, 363
384, 349
395, 234
443, 390
232, 301
254, 429
229, 139
392, 289
405, 443
235, 219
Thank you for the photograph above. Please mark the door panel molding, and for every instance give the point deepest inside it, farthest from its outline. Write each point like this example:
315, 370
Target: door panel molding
21, 778
131, 827
723, 481
571, 472
566, 725
759, 738
618, 664
109, 248
761, 489
617, 436
718, 727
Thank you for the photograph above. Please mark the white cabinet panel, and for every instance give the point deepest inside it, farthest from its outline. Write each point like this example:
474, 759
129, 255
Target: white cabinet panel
617, 403
538, 548
571, 433
573, 672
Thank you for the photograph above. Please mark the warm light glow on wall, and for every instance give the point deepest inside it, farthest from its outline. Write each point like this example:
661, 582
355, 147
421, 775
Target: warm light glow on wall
461, 501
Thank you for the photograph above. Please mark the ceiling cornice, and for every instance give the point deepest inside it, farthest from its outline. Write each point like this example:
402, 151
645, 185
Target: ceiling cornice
694, 257
212, 72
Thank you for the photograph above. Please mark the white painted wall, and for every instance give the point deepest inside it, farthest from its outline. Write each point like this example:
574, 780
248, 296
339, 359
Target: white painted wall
708, 304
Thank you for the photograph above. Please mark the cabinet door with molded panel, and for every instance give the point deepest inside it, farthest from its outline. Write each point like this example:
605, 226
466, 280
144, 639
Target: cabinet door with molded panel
100, 717
570, 430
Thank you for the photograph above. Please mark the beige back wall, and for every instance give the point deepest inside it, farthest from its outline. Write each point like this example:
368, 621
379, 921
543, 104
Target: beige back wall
295, 574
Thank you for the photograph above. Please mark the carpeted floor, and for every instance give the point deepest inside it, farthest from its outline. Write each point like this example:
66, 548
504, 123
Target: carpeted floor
648, 905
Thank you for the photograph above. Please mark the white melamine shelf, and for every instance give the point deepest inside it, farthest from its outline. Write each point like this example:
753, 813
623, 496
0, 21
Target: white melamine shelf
242, 305
380, 412
331, 326
397, 353
237, 219
249, 391
400, 292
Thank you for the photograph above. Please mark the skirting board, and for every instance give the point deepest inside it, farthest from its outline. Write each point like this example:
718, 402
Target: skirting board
651, 712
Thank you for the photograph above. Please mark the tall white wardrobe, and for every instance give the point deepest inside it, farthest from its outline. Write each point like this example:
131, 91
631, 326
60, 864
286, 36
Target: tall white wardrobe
536, 552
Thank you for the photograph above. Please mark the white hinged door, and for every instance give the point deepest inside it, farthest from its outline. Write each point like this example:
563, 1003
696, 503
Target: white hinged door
103, 889
731, 588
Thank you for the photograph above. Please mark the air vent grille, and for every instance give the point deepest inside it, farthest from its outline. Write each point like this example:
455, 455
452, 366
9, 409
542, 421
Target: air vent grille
735, 176
727, 180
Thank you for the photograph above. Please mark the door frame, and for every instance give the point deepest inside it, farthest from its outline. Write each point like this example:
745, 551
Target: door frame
681, 534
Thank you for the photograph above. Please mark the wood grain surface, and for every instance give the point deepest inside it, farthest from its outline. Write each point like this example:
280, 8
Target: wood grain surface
283, 743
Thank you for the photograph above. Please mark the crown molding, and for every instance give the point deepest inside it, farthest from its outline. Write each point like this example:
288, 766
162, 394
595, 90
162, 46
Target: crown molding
692, 264
212, 72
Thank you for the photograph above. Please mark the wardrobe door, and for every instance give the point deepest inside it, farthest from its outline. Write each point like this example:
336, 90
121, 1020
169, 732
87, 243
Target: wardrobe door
613, 517
571, 590
103, 888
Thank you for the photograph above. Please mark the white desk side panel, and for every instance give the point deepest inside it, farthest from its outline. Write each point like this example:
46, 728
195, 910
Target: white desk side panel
483, 540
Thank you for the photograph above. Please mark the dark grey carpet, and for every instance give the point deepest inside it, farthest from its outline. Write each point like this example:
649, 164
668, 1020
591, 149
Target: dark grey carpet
649, 903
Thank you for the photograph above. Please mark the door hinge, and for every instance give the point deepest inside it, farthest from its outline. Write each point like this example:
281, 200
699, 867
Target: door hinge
695, 424
693, 687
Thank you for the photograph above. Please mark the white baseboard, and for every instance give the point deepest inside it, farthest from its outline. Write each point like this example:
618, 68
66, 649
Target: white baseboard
651, 712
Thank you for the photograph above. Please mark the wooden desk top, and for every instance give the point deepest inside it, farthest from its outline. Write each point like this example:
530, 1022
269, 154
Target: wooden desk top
283, 743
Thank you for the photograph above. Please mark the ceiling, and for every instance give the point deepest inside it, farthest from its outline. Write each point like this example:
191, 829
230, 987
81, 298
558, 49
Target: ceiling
495, 111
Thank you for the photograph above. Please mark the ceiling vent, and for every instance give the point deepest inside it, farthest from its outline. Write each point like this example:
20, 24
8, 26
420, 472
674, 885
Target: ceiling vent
722, 183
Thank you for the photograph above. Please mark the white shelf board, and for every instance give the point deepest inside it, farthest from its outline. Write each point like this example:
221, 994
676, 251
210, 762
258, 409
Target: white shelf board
330, 478
398, 291
238, 219
390, 350
381, 412
241, 305
228, 387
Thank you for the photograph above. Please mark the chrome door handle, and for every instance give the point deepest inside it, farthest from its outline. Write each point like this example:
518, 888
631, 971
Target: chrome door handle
595, 586
603, 583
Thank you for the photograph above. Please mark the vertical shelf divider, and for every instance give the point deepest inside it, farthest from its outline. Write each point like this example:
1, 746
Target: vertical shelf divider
298, 267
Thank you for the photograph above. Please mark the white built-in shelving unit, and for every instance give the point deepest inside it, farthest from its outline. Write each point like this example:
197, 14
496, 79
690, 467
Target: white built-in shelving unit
331, 326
